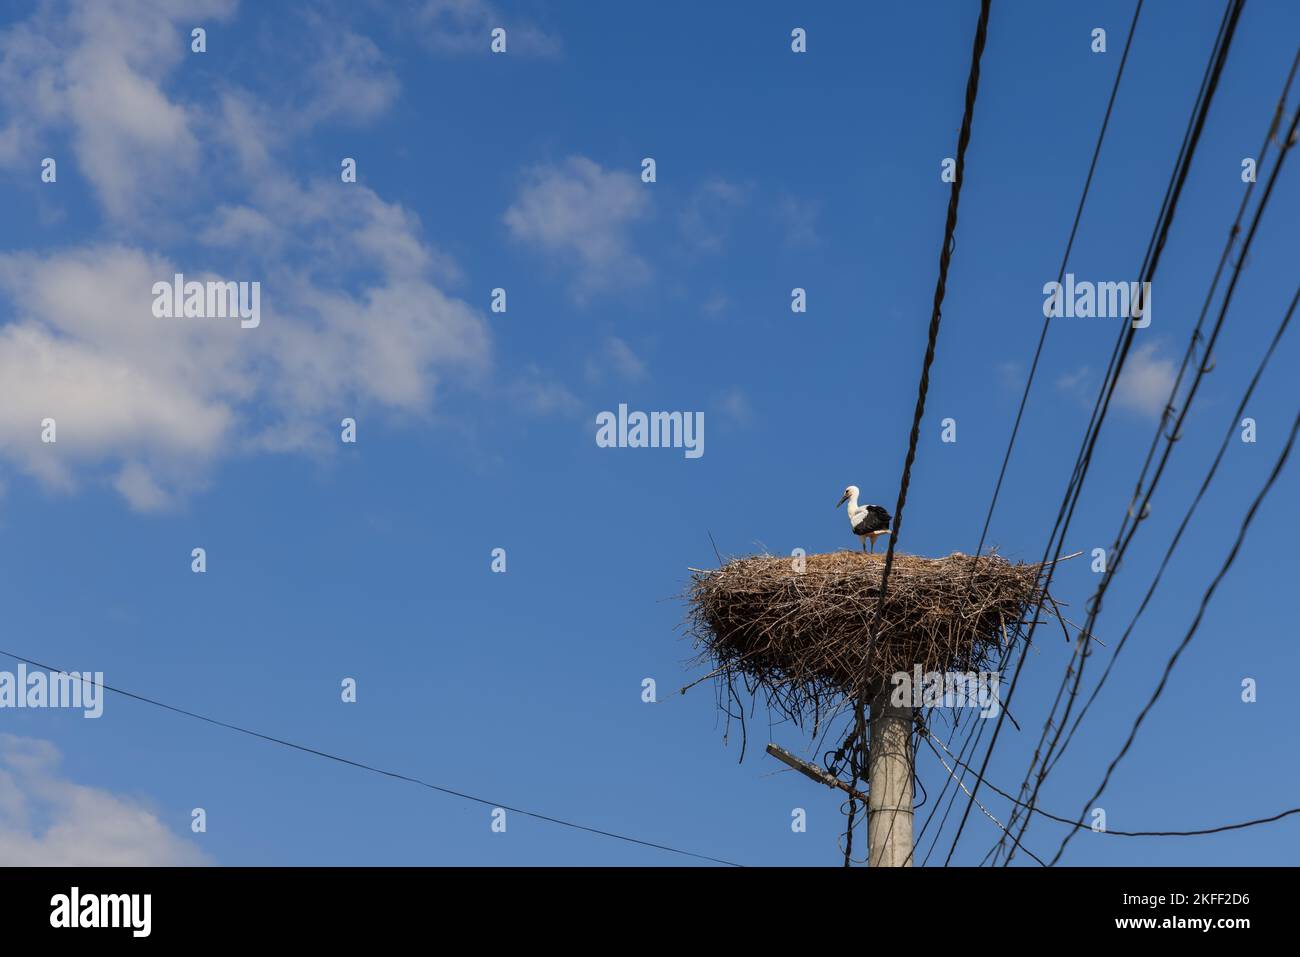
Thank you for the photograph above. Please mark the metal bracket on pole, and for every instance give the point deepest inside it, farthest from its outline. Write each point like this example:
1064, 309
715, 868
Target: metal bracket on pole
812, 771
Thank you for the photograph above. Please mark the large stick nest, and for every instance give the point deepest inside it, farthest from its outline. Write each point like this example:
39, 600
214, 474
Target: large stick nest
802, 637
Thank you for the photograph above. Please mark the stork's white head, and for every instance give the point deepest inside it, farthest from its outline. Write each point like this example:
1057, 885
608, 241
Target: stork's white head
850, 495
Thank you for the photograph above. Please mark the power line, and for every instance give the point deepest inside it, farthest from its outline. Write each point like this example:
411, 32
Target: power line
390, 774
1120, 547
1038, 351
1060, 274
1196, 622
1074, 487
1080, 825
1155, 246
1122, 541
936, 314
1232, 427
953, 776
1173, 193
1278, 113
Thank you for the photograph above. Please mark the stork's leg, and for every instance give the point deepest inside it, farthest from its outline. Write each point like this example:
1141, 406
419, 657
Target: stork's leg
864, 542
873, 544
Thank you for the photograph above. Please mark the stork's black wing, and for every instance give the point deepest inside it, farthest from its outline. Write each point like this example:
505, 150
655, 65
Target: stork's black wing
876, 519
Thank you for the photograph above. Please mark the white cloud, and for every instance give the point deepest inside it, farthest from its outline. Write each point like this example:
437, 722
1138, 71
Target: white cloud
354, 310
159, 399
465, 26
338, 76
136, 484
1146, 381
99, 70
1075, 383
1010, 374
48, 820
384, 345
538, 394
1144, 384
86, 351
736, 406
237, 226
616, 356
715, 304
348, 78
707, 216
251, 128
582, 213
797, 218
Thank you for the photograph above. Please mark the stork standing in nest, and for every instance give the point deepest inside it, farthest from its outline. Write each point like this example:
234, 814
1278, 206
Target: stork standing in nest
867, 521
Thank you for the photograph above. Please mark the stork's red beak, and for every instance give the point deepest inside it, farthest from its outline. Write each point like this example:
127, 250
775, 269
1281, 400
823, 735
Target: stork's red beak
843, 500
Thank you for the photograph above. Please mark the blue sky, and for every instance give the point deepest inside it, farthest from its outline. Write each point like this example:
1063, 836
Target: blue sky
476, 429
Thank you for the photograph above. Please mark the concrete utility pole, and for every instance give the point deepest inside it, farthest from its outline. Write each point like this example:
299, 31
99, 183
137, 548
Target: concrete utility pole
889, 765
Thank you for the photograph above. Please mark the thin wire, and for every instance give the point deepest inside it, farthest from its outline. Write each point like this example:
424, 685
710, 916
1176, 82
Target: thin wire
1155, 248
374, 770
1173, 191
1079, 650
936, 314
857, 750
1232, 428
1196, 622
986, 811
1060, 274
1278, 113
1074, 227
1120, 547
1080, 825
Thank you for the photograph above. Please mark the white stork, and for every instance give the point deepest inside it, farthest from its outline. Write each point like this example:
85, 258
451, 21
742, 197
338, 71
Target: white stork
867, 521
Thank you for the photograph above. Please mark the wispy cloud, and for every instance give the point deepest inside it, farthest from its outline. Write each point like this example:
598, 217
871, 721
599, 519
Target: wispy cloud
706, 219
347, 78
539, 394
715, 304
1146, 381
1010, 374
47, 820
1075, 383
465, 26
797, 219
1144, 384
162, 399
98, 71
356, 312
582, 213
736, 406
615, 357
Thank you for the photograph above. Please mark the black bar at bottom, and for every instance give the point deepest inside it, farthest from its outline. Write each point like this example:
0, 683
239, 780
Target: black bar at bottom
333, 905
